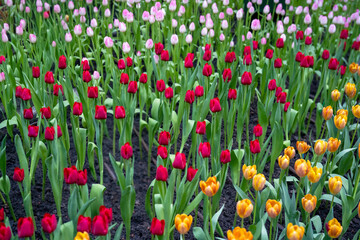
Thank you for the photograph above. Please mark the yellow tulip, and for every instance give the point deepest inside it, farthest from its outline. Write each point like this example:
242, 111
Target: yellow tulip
273, 208
333, 144
315, 174
294, 232
340, 121
239, 234
320, 147
359, 151
302, 167
309, 202
342, 112
302, 147
356, 111
333, 228
210, 187
350, 90
249, 171
259, 181
335, 185
359, 210
244, 208
183, 223
290, 152
82, 236
335, 95
327, 112
283, 161
353, 67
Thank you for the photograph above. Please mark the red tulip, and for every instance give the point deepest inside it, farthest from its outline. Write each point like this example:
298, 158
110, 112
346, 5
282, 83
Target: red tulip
120, 112
269, 53
308, 40
56, 88
299, 56
49, 133
342, 69
207, 55
99, 226
201, 127
232, 94
305, 62
333, 64
205, 149
247, 51
59, 132
278, 91
93, 92
280, 43
286, 106
246, 78
325, 54
299, 35
310, 60
49, 78
33, 131
356, 45
164, 138
132, 88
45, 112
25, 94
160, 85
230, 57
247, 60
77, 108
18, 91
157, 227
159, 47
258, 131
49, 223
25, 227
85, 65
207, 47
18, 174
165, 55
124, 78
191, 172
162, 152
129, 62
62, 62
83, 224
227, 75
106, 212
169, 93
179, 161
126, 151
86, 76
188, 62
143, 78
278, 63
121, 64
5, 232
2, 216
161, 173
81, 177
255, 146
225, 156
255, 45
2, 59
282, 97
207, 70
199, 91
272, 85
344, 34
28, 113
190, 96
215, 105
71, 175
100, 112
36, 72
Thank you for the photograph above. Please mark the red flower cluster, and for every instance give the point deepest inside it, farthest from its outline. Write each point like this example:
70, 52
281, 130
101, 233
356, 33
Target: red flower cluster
74, 176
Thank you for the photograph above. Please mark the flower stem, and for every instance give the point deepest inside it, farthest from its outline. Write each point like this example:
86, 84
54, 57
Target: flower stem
255, 207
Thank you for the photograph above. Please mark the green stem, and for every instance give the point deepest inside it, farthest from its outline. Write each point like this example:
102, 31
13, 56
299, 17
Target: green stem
271, 227
352, 140
210, 217
255, 207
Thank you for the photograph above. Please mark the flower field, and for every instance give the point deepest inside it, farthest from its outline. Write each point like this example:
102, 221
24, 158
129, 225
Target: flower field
188, 119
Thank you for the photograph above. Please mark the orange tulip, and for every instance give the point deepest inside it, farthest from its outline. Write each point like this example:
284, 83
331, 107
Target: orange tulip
309, 202
294, 232
283, 161
244, 208
82, 236
335, 95
183, 223
259, 181
350, 90
302, 147
320, 147
290, 152
302, 167
249, 171
333, 144
273, 208
210, 187
239, 233
342, 112
340, 121
335, 184
333, 228
315, 174
327, 112
353, 67
356, 111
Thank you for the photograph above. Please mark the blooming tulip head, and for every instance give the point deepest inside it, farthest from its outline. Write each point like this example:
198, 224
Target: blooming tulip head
157, 227
215, 105
191, 172
161, 173
49, 223
126, 151
340, 121
273, 208
356, 111
225, 156
302, 167
320, 147
335, 95
327, 112
333, 228
259, 181
283, 161
294, 232
210, 187
302, 147
255, 146
183, 223
84, 224
333, 144
335, 184
350, 90
99, 225
82, 236
309, 202
244, 208
314, 174
25, 227
239, 233
290, 152
249, 171
179, 161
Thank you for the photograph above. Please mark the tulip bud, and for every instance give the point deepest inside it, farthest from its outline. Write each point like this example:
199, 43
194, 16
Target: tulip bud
320, 147
258, 131
33, 131
179, 161
157, 227
244, 208
160, 85
315, 174
340, 121
165, 55
93, 92
333, 144
215, 105
25, 227
49, 223
126, 151
246, 78
83, 224
199, 91
164, 138
259, 181
100, 112
210, 187
302, 147
191, 172
207, 70
232, 94
294, 232
161, 173
356, 111
183, 223
335, 95
272, 85
132, 88
353, 67
302, 167
205, 149
309, 202
290, 152
18, 175
283, 161
273, 208
255, 146
225, 156
335, 184
327, 113
120, 112
350, 90
333, 228
99, 226
239, 233
249, 171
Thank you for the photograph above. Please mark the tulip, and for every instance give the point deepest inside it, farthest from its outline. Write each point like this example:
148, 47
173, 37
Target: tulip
28, 113
335, 184
283, 161
164, 138
49, 223
232, 94
207, 70
320, 147
25, 227
77, 108
201, 127
269, 53
49, 77
207, 55
273, 208
33, 131
45, 112
159, 47
164, 55
93, 92
249, 171
190, 96
333, 144
255, 146
205, 149
56, 88
280, 43
106, 212
132, 88
81, 177
179, 161
247, 60
199, 91
333, 64
353, 67
62, 62
356, 111
83, 224
278, 63
327, 113
161, 173
86, 76
344, 34
286, 106
246, 78
188, 62
160, 85
126, 151
121, 64
290, 152
183, 223
143, 78
210, 187
294, 232
350, 90
302, 167
299, 35
314, 174
239, 233
225, 156
333, 227
129, 61
215, 105
302, 147
2, 59
244, 208
124, 78
162, 152
120, 112
340, 121
100, 112
309, 202
82, 236
326, 54
308, 40
191, 172
35, 72
5, 232
227, 75
18, 175
71, 175
230, 57
259, 181
272, 85
99, 226
157, 227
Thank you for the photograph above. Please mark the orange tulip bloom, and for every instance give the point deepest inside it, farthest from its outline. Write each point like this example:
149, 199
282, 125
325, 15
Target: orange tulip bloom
309, 202
333, 144
320, 147
302, 167
82, 236
259, 181
284, 161
244, 208
350, 90
273, 208
333, 228
335, 95
294, 232
356, 111
249, 171
302, 147
315, 174
239, 233
327, 112
183, 223
210, 187
290, 152
335, 184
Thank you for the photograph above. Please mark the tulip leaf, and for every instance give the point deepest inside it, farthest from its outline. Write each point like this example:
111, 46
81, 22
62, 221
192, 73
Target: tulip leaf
316, 220
215, 218
3, 156
235, 164
241, 192
328, 197
200, 234
97, 192
127, 204
73, 205
92, 148
148, 200
67, 230
118, 232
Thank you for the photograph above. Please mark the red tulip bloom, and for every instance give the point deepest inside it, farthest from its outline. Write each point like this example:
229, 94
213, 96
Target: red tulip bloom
25, 227
164, 138
71, 175
86, 76
191, 172
49, 133
35, 72
246, 78
81, 177
280, 43
2, 216
205, 149
179, 161
278, 91
33, 131
83, 224
100, 112
286, 106
143, 78
199, 91
77, 108
2, 59
28, 113
342, 69
225, 156
169, 93
272, 85
325, 54
18, 174
230, 57
333, 64
165, 55
255, 45
45, 112
157, 227
85, 65
99, 226
93, 92
299, 35
227, 75
25, 94
269, 53
159, 47
207, 55
129, 62
255, 146
62, 62
278, 63
232, 94
106, 212
160, 85
258, 131
207, 47
299, 56
188, 62
247, 51
132, 88
56, 88
126, 151
190, 96
215, 105
18, 91
162, 152
49, 77
49, 223
201, 127
356, 45
344, 34
282, 97
121, 64
5, 232
161, 173
59, 132
247, 60
305, 62
207, 70
120, 112
308, 40
124, 78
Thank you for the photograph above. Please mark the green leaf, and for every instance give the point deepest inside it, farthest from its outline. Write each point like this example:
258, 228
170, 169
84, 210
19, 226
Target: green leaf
215, 218
200, 234
67, 231
97, 192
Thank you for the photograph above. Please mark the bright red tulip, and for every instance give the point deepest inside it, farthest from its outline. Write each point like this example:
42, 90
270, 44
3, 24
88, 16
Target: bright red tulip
143, 78
62, 62
299, 35
33, 131
28, 113
227, 75
99, 226
124, 78
232, 94
86, 76
308, 40
299, 56
35, 72
280, 43
49, 77
215, 105
120, 112
230, 57
278, 63
164, 55
164, 138
18, 174
93, 92
207, 55
2, 59
207, 70
278, 91
246, 78
18, 91
162, 152
286, 106
100, 112
5, 232
160, 85
255, 146
282, 97
201, 127
207, 47
258, 131
247, 51
179, 161
333, 64
49, 223
169, 93
188, 62
106, 212
190, 96
77, 108
83, 224
81, 177
356, 45
344, 34
157, 227
56, 88
25, 94
121, 64
132, 88
49, 133
71, 175
159, 47
255, 45
129, 61
25, 227
45, 112
85, 65
161, 173
272, 85
326, 54
205, 149
199, 91
191, 172
126, 151
225, 156
247, 60
269, 53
